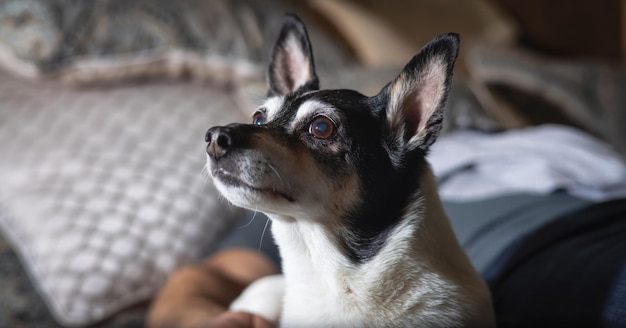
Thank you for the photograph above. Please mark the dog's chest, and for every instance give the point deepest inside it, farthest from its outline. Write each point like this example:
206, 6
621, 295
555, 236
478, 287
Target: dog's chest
363, 299
322, 286
330, 301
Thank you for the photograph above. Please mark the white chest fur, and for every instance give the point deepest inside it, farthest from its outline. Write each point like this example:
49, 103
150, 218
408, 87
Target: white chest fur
392, 289
419, 278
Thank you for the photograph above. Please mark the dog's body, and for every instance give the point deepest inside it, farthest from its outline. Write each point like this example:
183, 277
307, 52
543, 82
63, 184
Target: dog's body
363, 236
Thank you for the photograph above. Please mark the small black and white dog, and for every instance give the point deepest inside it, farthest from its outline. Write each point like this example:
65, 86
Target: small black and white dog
364, 239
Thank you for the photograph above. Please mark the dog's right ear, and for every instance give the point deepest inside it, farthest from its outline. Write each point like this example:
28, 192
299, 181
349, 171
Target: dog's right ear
291, 66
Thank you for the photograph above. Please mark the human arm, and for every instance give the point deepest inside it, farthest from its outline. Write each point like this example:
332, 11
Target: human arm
199, 295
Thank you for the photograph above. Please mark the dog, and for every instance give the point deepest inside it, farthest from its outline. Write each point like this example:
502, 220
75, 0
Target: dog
363, 236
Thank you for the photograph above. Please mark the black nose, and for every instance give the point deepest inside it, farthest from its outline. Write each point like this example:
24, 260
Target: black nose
221, 140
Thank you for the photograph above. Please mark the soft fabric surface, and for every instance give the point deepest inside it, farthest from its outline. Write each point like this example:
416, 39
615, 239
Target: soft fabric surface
519, 88
108, 40
22, 306
102, 192
473, 165
104, 41
569, 273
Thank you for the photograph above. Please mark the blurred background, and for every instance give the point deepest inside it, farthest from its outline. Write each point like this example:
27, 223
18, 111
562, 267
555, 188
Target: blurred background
104, 104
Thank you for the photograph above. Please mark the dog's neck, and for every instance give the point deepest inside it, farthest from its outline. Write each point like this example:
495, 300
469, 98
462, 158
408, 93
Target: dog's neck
419, 260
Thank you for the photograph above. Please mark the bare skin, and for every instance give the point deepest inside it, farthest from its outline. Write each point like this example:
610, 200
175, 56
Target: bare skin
198, 296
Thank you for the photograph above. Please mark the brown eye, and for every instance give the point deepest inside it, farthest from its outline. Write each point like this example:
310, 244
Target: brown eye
258, 118
322, 127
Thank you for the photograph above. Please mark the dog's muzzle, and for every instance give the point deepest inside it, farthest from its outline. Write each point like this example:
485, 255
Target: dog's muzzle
223, 139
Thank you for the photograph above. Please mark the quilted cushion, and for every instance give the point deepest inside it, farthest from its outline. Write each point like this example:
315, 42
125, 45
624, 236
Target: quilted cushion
103, 192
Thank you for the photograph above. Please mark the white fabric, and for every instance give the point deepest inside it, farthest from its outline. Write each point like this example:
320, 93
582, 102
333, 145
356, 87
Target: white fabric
473, 165
101, 191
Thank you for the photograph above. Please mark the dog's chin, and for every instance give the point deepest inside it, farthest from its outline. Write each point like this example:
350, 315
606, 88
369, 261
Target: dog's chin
247, 195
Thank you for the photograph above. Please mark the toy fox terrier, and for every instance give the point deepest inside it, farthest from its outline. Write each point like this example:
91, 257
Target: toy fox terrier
363, 236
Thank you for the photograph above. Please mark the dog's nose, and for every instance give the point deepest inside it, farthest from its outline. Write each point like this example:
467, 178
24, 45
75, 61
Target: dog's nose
220, 139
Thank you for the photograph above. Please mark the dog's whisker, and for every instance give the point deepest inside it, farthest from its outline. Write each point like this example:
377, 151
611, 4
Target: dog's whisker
279, 176
251, 220
230, 205
206, 180
206, 177
263, 234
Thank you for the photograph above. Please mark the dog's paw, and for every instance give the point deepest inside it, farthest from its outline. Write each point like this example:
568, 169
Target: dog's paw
264, 297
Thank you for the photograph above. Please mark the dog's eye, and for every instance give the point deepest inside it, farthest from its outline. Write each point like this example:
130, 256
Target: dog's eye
258, 118
322, 127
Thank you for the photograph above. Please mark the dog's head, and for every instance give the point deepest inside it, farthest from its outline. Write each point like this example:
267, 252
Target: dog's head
333, 156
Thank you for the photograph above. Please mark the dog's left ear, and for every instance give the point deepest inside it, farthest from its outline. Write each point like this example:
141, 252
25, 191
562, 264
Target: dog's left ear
417, 97
291, 66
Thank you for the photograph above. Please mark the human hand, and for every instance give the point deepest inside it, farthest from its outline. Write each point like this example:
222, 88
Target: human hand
198, 296
240, 320
227, 319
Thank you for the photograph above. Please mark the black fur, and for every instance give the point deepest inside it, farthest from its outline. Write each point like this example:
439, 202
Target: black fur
388, 167
390, 176
386, 188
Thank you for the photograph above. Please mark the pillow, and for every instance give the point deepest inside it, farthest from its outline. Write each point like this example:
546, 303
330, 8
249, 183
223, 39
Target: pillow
103, 193
103, 40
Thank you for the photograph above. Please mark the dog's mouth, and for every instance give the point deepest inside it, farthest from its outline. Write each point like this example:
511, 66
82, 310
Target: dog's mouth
232, 180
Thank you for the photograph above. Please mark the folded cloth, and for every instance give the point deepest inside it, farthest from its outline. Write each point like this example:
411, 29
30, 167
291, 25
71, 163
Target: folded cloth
541, 159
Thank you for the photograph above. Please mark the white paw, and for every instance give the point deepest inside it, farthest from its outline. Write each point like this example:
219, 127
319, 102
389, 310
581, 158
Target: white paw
263, 297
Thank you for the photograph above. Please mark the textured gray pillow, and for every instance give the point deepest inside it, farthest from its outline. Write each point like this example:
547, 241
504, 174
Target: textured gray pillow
102, 191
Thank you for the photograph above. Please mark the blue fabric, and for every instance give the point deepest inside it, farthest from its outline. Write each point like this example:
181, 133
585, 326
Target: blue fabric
253, 232
568, 273
487, 228
615, 309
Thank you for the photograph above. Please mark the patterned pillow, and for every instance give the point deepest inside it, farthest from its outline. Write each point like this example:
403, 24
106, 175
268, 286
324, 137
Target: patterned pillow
102, 191
108, 40
104, 41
